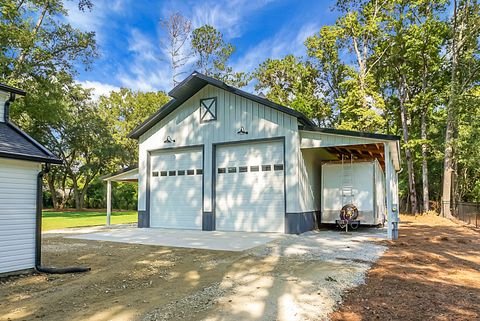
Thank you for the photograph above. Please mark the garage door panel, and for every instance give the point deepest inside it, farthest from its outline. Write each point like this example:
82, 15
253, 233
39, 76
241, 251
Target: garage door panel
249, 188
176, 189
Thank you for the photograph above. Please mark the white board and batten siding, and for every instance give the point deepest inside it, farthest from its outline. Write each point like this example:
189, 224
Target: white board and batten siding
233, 112
18, 187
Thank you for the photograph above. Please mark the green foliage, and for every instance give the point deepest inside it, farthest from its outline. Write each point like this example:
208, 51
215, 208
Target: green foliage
213, 54
291, 82
400, 67
122, 111
468, 147
36, 42
385, 66
124, 195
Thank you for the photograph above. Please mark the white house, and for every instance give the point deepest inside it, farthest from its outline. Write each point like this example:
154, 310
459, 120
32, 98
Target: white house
218, 158
21, 159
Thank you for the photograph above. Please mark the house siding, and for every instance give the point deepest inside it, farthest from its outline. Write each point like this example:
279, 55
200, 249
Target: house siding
233, 112
17, 214
309, 181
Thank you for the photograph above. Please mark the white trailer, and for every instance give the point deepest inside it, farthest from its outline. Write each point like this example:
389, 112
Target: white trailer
365, 190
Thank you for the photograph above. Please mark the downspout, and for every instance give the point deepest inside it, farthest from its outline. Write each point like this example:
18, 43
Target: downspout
38, 234
6, 107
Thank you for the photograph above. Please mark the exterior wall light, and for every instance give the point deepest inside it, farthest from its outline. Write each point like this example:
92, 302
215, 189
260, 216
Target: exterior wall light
242, 131
169, 140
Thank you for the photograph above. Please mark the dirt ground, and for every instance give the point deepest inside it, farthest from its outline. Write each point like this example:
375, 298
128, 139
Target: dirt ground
431, 273
292, 278
126, 281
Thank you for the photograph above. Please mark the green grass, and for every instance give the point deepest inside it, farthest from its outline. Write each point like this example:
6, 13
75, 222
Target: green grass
58, 220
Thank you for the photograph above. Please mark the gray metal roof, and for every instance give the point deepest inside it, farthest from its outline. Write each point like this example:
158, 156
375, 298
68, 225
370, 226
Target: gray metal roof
12, 90
192, 84
16, 144
344, 132
197, 81
124, 170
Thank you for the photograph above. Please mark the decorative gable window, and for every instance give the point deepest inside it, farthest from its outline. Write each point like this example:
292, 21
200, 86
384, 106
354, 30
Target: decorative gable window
208, 109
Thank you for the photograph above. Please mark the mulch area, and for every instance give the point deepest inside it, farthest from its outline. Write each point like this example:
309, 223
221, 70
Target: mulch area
431, 273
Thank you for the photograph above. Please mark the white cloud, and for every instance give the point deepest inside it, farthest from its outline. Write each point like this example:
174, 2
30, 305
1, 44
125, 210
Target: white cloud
99, 89
98, 18
148, 70
228, 17
286, 41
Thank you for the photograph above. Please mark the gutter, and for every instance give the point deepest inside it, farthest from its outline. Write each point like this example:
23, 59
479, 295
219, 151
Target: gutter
38, 234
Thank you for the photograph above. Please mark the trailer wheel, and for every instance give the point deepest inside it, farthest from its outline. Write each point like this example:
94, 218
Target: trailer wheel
349, 212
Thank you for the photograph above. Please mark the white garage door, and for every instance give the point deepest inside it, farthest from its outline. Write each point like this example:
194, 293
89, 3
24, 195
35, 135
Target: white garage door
250, 187
176, 189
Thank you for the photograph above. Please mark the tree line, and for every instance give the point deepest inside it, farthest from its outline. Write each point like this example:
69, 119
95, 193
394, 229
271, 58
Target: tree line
409, 68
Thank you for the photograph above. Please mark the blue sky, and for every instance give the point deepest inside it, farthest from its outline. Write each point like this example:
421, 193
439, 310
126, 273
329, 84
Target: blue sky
129, 36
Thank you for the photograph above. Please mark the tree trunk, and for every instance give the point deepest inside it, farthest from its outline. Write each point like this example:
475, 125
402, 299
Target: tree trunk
426, 196
25, 51
448, 158
51, 187
76, 194
408, 154
82, 198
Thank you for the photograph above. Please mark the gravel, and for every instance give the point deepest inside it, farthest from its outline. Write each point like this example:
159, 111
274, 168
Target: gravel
295, 277
198, 301
327, 246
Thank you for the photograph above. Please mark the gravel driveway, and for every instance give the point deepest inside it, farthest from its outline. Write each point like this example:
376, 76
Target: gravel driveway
291, 278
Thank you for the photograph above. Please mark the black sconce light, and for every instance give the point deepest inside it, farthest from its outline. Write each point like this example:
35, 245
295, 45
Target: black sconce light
169, 140
242, 131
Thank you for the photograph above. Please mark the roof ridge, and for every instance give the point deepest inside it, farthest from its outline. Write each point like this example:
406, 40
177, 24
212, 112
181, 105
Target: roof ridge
202, 80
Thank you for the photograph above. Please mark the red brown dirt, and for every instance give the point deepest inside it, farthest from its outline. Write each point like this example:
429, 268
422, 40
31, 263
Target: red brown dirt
431, 273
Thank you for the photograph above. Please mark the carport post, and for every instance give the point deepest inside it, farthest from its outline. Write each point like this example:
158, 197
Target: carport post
390, 189
109, 201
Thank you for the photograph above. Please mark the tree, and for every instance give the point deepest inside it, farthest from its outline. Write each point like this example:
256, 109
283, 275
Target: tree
426, 32
122, 111
358, 30
213, 53
42, 47
80, 138
177, 29
324, 52
292, 82
467, 143
409, 71
464, 71
40, 53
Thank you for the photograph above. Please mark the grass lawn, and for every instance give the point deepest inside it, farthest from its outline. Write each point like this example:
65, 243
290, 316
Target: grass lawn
58, 220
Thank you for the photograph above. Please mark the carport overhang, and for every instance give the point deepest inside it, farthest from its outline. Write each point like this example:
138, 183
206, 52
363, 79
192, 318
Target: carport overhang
362, 146
127, 175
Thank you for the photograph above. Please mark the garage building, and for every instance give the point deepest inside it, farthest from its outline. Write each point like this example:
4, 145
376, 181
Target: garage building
218, 158
21, 159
